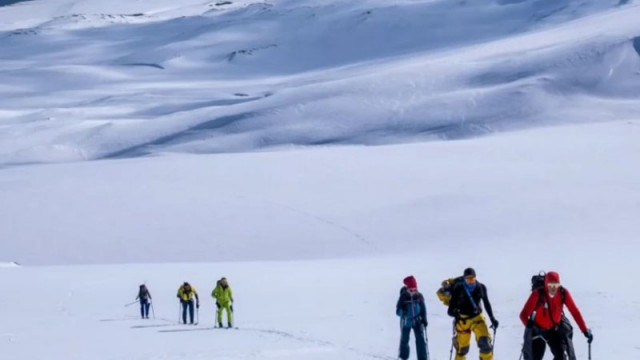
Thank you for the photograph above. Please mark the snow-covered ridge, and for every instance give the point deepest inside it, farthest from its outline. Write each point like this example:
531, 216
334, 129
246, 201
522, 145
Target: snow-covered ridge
92, 79
8, 264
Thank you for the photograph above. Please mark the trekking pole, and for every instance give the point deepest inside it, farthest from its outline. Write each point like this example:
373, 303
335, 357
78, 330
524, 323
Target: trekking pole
453, 340
153, 311
179, 306
131, 303
589, 351
493, 345
426, 342
233, 314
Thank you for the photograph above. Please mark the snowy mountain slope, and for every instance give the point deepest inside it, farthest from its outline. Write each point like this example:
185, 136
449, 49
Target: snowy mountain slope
562, 187
316, 241
93, 80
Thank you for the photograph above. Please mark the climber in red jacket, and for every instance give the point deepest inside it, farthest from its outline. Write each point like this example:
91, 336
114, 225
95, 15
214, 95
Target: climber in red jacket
544, 319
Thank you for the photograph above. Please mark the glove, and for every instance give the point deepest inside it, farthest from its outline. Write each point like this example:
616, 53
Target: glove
494, 323
218, 305
399, 312
425, 323
588, 335
456, 314
197, 305
231, 307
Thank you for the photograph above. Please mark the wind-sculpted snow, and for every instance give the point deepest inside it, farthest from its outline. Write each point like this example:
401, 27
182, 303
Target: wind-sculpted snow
88, 80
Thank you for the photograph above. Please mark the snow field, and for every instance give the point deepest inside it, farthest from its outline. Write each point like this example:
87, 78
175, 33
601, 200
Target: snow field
295, 309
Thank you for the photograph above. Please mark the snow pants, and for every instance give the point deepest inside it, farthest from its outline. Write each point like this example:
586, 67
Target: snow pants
464, 328
226, 307
144, 308
185, 305
418, 332
559, 341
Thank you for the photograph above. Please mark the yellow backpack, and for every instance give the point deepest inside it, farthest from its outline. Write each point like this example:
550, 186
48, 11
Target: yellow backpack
444, 292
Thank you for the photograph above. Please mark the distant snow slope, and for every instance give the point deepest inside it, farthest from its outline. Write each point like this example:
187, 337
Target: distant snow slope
561, 188
97, 79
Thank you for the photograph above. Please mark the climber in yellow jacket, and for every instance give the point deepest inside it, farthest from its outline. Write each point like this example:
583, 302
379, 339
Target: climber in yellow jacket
224, 301
186, 293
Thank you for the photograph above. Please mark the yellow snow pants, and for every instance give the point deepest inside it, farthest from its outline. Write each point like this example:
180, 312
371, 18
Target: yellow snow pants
478, 326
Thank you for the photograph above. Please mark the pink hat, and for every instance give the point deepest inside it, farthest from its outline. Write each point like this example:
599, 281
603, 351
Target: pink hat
410, 282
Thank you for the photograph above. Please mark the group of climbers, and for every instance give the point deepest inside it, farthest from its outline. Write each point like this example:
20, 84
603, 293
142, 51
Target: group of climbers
189, 299
542, 315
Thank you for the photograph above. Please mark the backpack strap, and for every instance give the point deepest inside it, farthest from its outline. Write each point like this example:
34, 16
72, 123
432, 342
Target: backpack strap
473, 302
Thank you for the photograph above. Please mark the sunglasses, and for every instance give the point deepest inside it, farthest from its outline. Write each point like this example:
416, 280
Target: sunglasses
470, 279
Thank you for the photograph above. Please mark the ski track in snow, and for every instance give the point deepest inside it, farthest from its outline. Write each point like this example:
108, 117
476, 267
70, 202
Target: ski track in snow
325, 221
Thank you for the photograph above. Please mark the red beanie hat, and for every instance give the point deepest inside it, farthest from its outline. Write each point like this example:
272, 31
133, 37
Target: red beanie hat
410, 282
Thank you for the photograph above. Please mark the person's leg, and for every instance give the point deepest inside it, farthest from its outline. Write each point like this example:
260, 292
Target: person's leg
483, 338
463, 339
219, 316
421, 344
405, 333
227, 308
556, 345
146, 309
539, 345
184, 312
527, 343
141, 309
191, 311
566, 333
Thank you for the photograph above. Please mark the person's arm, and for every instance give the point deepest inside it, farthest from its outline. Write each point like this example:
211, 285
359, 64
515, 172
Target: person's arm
528, 308
230, 294
149, 294
575, 312
399, 311
487, 305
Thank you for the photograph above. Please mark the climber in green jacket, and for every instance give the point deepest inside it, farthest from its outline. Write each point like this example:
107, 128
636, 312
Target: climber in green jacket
224, 301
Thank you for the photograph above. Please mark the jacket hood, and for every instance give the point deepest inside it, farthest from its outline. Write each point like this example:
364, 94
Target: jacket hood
551, 277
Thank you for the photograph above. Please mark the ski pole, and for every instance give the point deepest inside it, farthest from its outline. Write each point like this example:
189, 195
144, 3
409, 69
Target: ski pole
131, 303
453, 340
179, 306
589, 351
426, 342
493, 345
153, 312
